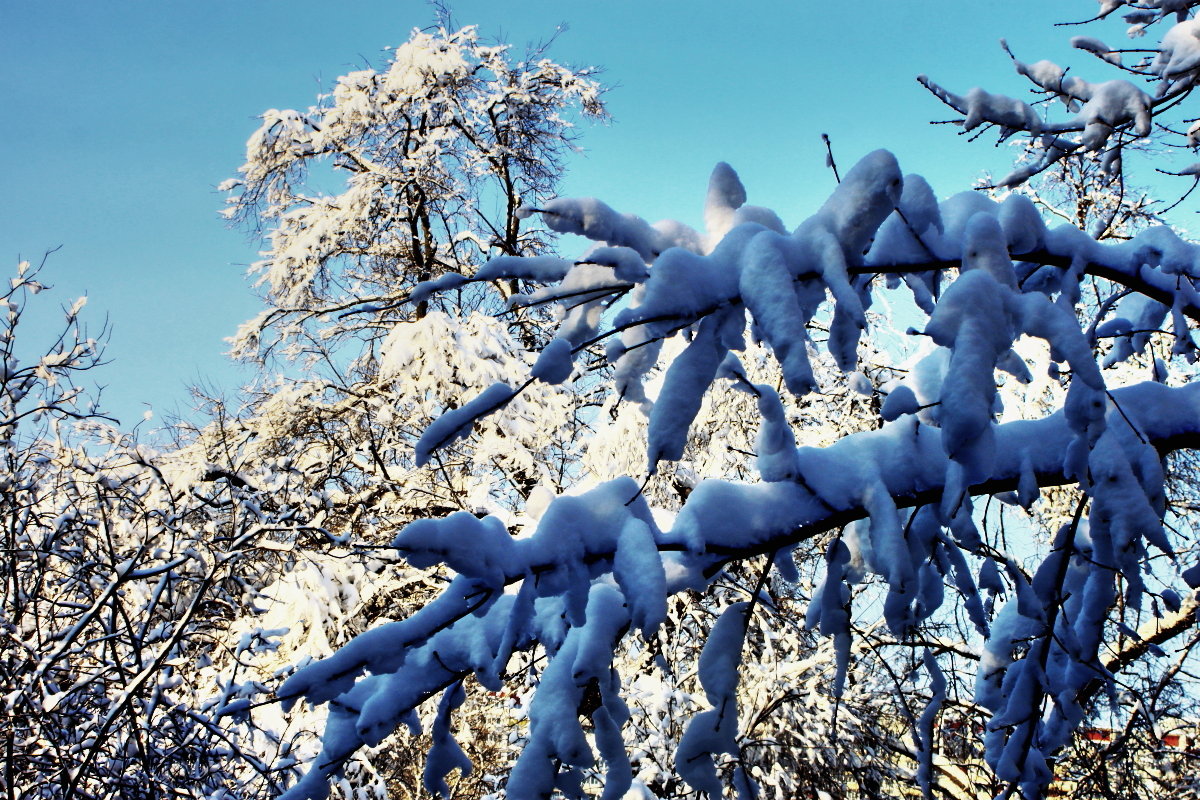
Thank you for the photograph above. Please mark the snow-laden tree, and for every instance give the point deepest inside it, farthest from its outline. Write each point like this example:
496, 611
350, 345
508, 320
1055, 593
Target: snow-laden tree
119, 570
989, 276
398, 176
1145, 99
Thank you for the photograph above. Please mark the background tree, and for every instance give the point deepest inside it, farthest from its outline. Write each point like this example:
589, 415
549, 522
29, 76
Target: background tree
439, 151
119, 569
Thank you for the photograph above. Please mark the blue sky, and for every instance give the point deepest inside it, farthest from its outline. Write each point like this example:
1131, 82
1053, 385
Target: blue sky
121, 118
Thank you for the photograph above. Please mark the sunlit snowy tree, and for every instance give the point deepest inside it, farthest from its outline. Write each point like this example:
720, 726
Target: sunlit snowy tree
438, 150
398, 176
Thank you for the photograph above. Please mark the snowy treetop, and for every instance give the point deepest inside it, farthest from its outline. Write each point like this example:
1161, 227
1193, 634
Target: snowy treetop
404, 165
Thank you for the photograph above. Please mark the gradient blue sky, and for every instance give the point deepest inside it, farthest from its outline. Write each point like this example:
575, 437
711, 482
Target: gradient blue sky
120, 118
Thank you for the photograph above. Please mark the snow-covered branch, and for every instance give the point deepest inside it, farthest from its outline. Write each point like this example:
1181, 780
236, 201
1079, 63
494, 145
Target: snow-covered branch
894, 502
452, 638
1106, 117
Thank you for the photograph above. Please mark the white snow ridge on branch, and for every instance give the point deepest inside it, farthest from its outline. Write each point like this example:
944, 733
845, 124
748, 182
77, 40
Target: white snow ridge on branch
598, 567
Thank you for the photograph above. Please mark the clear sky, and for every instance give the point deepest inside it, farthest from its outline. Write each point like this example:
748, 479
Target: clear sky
120, 118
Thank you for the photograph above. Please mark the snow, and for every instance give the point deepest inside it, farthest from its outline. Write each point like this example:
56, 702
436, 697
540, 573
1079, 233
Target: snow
726, 195
714, 731
633, 355
638, 570
684, 285
618, 777
555, 363
581, 292
625, 263
597, 221
456, 424
956, 212
894, 499
722, 654
868, 193
971, 320
544, 269
443, 283
1098, 109
1179, 52
1022, 224
925, 726
908, 235
606, 619
767, 288
983, 106
426, 58
899, 401
776, 444
1045, 74
682, 391
445, 754
478, 548
1111, 104
725, 207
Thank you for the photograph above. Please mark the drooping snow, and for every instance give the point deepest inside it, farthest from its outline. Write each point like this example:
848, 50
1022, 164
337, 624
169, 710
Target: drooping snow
544, 269
638, 570
555, 363
900, 495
